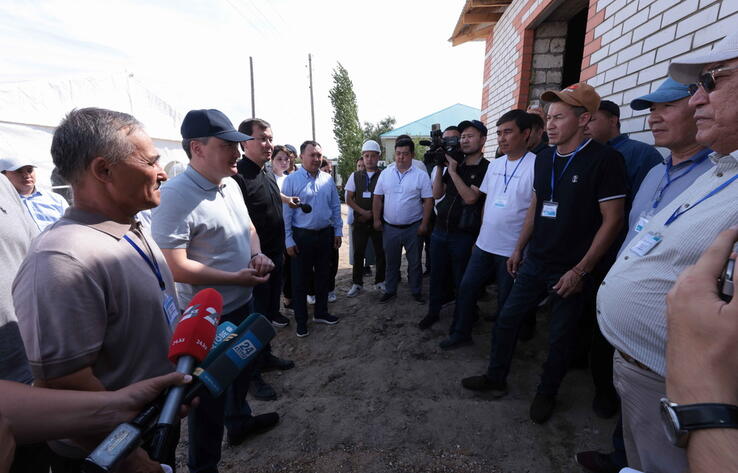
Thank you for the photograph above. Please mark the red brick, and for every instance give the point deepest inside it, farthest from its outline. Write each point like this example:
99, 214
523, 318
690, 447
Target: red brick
588, 73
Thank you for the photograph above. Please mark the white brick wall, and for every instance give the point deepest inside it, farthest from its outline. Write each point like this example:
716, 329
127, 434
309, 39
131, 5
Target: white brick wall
638, 40
650, 34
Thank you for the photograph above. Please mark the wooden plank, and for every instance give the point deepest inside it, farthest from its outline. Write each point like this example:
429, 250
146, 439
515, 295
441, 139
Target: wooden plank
480, 18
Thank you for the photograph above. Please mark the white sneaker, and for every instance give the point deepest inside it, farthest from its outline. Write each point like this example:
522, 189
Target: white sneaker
311, 300
380, 287
332, 296
354, 291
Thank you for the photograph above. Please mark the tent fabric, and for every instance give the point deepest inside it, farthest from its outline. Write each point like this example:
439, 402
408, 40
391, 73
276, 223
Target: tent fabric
30, 112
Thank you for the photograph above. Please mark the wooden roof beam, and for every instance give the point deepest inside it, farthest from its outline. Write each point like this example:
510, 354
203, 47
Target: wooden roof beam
480, 18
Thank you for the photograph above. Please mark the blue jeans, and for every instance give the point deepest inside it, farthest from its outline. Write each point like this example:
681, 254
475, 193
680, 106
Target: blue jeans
482, 266
314, 253
533, 281
393, 240
450, 252
207, 420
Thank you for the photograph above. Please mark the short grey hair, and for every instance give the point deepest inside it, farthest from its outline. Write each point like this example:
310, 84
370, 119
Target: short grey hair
188, 141
87, 133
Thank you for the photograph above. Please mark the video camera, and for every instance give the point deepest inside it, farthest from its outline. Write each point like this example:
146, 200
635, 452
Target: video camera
440, 147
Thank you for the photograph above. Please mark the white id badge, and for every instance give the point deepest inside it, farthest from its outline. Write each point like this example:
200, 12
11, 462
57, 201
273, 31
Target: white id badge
170, 309
640, 224
366, 195
549, 209
647, 243
501, 202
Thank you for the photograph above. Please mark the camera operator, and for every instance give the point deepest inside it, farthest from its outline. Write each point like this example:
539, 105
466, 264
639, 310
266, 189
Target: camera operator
459, 213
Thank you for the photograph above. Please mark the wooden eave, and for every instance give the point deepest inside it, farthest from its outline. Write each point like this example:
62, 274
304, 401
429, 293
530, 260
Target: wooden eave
477, 19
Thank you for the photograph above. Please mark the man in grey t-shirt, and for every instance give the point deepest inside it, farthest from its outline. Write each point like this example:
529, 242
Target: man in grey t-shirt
206, 235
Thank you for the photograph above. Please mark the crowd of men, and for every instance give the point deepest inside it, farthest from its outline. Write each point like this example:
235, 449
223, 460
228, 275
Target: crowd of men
573, 214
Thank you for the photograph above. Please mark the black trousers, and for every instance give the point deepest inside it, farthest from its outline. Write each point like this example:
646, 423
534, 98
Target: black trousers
362, 233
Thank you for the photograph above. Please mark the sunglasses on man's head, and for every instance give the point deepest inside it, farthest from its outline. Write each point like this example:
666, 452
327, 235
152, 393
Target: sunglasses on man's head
707, 80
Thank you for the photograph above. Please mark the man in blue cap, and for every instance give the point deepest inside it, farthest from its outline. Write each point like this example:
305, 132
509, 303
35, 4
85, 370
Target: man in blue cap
206, 235
673, 127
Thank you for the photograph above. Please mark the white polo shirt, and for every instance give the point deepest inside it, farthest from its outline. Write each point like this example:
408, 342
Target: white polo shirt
509, 189
403, 194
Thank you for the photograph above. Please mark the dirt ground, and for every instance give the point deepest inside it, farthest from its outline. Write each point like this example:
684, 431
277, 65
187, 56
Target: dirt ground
376, 394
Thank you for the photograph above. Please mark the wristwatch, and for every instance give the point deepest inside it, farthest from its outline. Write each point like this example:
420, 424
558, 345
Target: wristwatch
680, 420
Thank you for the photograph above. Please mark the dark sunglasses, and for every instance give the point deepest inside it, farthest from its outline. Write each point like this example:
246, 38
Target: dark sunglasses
707, 80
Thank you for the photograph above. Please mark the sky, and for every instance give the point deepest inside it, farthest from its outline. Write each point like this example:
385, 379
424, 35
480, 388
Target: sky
195, 54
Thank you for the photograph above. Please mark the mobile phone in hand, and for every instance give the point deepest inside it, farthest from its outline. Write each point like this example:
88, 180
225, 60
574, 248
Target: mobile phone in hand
725, 282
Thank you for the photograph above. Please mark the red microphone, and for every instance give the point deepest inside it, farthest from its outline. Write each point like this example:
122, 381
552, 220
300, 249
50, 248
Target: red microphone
191, 343
195, 330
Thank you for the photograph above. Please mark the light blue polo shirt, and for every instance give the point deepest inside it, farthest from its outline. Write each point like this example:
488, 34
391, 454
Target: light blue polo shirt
211, 221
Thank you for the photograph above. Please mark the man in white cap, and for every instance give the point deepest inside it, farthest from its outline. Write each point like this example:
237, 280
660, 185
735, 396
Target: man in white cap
649, 264
360, 189
45, 207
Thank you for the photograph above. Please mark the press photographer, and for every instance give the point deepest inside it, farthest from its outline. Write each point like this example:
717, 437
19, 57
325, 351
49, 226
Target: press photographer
459, 213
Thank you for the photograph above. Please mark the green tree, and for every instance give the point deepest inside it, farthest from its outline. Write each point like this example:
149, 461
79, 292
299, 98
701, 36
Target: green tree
346, 126
372, 131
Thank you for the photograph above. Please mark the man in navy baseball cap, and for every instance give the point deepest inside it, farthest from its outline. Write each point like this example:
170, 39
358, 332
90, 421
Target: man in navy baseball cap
206, 123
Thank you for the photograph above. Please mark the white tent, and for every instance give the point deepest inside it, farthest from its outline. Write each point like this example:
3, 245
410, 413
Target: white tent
30, 112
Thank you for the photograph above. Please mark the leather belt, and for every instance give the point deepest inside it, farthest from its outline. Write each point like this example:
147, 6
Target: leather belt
635, 362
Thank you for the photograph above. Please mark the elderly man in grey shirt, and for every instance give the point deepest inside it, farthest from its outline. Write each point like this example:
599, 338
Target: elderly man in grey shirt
206, 235
631, 300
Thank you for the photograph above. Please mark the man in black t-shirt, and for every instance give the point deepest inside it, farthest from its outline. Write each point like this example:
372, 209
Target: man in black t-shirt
576, 213
459, 214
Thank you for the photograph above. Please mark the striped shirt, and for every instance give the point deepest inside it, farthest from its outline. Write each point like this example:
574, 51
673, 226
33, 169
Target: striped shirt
45, 207
631, 302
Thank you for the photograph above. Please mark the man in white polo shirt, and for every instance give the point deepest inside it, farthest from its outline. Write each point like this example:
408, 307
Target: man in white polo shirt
403, 200
508, 185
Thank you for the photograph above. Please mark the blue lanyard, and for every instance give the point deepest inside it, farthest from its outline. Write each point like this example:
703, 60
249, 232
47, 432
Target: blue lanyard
568, 162
504, 178
401, 176
678, 213
696, 161
152, 264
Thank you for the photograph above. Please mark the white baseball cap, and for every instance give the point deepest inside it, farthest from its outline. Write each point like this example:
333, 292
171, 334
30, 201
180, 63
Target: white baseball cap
371, 145
11, 162
687, 69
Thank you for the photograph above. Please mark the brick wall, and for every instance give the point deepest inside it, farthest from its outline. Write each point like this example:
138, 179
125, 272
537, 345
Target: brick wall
627, 50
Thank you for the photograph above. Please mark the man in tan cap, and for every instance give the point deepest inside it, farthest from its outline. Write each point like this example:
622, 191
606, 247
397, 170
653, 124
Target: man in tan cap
576, 212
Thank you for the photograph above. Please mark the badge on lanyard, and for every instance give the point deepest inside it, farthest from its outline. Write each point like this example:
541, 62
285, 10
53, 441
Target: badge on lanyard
170, 308
550, 209
366, 195
643, 220
501, 202
648, 242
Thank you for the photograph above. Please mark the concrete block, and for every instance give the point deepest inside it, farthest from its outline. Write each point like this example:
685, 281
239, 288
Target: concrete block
558, 45
541, 45
553, 76
539, 77
548, 61
697, 21
552, 29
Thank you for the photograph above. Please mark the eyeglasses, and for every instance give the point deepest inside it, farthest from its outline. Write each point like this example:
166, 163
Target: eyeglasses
707, 80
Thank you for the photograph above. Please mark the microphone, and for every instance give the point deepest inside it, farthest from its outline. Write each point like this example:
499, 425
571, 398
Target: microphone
232, 357
307, 208
191, 343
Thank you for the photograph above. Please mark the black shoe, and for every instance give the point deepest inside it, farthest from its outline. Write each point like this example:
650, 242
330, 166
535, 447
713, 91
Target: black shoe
254, 425
274, 363
542, 407
605, 405
302, 330
419, 298
327, 319
455, 342
483, 383
427, 321
596, 462
261, 390
279, 320
387, 296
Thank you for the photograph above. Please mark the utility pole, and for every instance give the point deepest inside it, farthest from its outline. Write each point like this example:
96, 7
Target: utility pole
253, 105
312, 105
